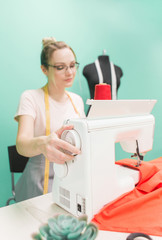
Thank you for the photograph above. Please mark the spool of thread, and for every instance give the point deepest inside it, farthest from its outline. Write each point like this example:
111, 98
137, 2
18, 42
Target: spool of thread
102, 92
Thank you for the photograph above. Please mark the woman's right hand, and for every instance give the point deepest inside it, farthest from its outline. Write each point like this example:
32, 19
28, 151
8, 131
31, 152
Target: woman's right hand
51, 146
55, 146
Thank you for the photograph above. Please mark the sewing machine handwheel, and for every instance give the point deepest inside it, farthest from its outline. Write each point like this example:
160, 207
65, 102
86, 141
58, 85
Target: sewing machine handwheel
72, 137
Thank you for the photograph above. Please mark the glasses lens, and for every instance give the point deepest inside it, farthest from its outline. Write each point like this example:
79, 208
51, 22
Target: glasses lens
63, 68
60, 67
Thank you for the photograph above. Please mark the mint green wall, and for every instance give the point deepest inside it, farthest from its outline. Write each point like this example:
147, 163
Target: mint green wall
129, 30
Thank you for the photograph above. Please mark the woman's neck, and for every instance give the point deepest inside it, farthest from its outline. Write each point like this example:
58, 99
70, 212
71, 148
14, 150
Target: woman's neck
56, 93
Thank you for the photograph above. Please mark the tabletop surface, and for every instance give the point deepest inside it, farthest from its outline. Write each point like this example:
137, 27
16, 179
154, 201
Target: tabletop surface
19, 221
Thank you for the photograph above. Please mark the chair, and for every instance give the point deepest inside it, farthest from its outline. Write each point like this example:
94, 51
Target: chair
17, 165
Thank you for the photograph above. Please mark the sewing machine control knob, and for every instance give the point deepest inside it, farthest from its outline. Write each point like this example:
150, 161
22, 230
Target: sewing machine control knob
72, 137
60, 170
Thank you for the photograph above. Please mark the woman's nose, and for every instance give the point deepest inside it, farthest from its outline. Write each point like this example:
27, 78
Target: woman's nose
68, 70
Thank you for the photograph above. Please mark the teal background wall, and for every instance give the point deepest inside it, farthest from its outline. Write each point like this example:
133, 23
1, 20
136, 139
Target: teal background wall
129, 30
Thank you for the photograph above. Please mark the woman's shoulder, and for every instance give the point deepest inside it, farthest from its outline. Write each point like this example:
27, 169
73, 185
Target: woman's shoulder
75, 96
78, 102
32, 93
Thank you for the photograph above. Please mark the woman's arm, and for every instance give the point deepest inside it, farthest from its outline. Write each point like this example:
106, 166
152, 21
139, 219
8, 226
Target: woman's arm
50, 146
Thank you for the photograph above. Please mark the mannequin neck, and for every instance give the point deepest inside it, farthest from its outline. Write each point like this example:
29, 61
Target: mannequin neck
103, 58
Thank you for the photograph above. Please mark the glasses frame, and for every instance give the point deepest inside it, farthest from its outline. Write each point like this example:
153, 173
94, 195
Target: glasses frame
66, 67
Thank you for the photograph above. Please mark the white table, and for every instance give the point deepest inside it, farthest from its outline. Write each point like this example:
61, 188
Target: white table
19, 221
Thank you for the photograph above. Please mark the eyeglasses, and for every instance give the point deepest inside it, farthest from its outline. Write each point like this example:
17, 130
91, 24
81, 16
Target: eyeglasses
64, 68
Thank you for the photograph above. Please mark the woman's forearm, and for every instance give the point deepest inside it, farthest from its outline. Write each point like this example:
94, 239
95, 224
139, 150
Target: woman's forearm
31, 147
51, 146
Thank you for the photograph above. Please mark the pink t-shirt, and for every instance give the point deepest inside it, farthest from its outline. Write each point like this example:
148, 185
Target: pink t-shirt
32, 103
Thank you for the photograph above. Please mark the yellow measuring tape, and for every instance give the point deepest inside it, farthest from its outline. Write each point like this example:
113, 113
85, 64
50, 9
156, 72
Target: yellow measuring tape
73, 104
47, 112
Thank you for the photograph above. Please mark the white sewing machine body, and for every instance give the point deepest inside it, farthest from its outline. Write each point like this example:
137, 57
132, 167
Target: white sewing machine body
92, 180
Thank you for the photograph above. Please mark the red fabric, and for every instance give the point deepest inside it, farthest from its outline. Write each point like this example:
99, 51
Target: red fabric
139, 210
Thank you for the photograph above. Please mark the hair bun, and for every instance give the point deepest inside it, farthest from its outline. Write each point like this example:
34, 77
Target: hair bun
48, 40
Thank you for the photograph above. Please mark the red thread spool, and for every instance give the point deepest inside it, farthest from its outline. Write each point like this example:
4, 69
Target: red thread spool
102, 92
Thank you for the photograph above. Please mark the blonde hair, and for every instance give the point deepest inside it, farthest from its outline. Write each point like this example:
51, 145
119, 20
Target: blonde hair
49, 46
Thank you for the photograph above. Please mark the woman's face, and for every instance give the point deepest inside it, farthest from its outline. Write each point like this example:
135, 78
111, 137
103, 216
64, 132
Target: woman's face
63, 68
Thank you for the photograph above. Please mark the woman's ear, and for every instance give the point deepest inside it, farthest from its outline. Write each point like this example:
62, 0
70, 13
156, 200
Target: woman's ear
44, 69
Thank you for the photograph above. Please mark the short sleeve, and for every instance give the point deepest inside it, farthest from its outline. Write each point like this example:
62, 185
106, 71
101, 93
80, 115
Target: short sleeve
26, 105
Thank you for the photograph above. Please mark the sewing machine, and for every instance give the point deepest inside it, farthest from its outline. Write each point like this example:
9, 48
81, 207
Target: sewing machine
92, 179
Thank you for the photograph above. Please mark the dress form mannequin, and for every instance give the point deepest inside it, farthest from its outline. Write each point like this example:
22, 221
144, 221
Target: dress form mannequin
91, 73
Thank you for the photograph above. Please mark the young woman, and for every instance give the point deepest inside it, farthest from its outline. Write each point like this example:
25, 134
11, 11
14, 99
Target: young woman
41, 114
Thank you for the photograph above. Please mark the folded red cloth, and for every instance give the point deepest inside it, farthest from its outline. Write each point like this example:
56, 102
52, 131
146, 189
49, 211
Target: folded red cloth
139, 210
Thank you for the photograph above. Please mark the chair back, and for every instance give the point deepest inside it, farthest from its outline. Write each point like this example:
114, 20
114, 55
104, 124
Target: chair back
17, 161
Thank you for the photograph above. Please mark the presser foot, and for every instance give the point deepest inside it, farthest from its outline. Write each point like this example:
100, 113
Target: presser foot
138, 155
138, 163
